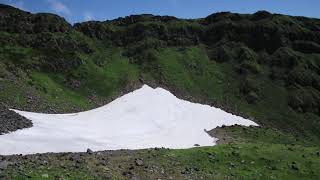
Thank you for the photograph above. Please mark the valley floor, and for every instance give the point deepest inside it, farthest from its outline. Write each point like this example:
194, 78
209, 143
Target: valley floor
251, 153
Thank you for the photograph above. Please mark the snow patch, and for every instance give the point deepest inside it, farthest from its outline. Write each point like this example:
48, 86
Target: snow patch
144, 118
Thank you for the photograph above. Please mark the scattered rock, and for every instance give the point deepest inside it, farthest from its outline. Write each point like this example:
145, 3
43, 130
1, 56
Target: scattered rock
75, 157
89, 151
103, 163
127, 173
186, 171
232, 164
11, 121
139, 162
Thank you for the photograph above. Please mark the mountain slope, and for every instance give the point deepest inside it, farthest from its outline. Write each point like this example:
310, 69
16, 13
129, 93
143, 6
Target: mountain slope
263, 66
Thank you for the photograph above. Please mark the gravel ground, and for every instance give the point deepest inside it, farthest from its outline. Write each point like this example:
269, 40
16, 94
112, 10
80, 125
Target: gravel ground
11, 121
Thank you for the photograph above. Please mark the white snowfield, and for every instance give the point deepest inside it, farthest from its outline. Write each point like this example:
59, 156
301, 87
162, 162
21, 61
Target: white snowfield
144, 118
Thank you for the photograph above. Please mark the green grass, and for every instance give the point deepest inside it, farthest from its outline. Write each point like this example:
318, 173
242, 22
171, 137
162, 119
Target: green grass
236, 161
105, 73
190, 70
12, 93
56, 93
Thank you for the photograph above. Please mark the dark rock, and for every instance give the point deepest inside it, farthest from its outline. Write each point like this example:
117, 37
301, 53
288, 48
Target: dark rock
232, 164
187, 171
294, 166
89, 151
57, 178
11, 121
127, 173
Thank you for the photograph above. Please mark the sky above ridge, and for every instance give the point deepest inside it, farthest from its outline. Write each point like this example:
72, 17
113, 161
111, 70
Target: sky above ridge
84, 10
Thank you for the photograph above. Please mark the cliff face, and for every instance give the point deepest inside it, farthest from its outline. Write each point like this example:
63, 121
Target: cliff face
263, 66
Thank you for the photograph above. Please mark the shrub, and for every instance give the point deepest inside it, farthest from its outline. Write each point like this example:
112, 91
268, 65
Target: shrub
246, 54
249, 85
285, 57
305, 100
249, 66
300, 76
224, 54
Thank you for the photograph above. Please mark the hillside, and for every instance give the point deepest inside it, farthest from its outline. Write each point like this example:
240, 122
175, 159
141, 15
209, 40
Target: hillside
262, 66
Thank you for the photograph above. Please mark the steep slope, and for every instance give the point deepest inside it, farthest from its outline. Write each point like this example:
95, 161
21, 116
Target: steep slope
263, 66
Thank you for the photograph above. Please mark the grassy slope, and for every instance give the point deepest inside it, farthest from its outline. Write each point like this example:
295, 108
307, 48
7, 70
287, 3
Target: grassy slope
190, 70
103, 75
50, 71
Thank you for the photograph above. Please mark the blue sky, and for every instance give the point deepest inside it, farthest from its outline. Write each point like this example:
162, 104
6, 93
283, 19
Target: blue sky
83, 10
